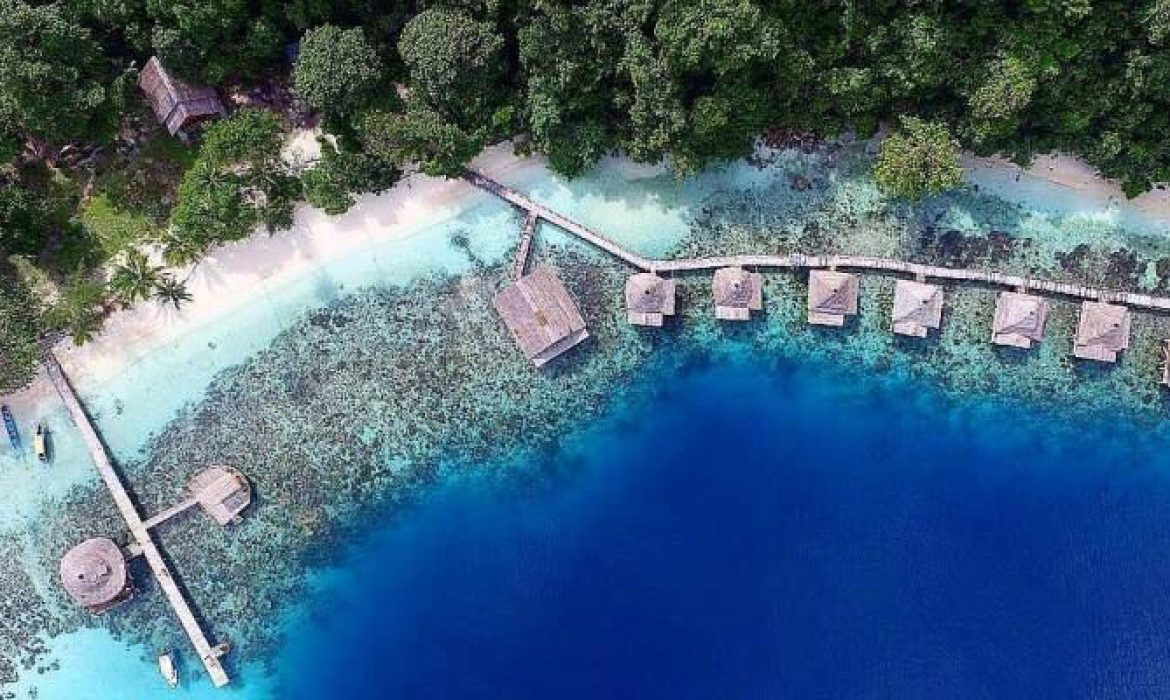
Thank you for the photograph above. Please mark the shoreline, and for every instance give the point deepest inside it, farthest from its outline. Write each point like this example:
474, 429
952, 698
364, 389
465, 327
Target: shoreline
237, 275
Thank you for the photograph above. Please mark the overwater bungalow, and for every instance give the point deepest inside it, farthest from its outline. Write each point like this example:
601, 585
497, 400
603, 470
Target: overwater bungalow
177, 105
222, 492
541, 315
737, 293
1102, 332
649, 298
917, 308
94, 574
832, 296
1019, 320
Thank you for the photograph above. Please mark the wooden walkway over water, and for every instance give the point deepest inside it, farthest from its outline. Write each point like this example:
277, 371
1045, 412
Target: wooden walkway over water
802, 261
144, 542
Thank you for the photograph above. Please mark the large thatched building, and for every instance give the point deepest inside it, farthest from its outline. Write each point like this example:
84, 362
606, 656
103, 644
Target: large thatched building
917, 308
94, 574
541, 315
649, 298
177, 105
1019, 320
737, 293
1102, 332
832, 296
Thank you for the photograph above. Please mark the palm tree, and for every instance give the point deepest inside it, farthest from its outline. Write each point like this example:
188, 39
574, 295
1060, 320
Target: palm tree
134, 279
169, 290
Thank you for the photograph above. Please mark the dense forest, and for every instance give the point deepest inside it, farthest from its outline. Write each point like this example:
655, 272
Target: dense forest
89, 182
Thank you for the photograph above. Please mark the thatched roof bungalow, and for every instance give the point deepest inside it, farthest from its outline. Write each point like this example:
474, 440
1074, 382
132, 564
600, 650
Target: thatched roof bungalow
177, 105
649, 298
832, 296
1019, 320
1102, 332
222, 492
917, 308
94, 574
541, 315
737, 293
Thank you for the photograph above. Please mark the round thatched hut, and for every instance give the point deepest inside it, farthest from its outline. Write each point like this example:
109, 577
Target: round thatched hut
94, 574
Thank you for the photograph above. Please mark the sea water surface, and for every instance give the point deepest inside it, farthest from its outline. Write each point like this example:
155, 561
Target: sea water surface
763, 531
751, 529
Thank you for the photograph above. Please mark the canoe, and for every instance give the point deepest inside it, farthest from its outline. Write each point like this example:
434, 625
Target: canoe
41, 443
10, 427
166, 666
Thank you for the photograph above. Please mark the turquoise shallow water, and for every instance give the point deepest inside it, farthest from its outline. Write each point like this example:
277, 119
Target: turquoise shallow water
339, 354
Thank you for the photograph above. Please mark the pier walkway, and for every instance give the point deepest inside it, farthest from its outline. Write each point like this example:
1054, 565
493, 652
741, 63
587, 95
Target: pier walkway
801, 261
525, 245
208, 654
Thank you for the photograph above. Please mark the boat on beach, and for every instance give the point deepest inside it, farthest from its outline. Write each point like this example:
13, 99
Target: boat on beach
166, 666
41, 443
10, 427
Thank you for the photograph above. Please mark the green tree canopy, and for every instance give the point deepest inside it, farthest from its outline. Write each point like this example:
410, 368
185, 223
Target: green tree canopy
338, 70
920, 158
456, 64
52, 73
18, 332
419, 135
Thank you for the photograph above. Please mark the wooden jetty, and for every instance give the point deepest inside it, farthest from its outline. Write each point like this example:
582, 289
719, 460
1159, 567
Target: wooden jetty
209, 655
796, 261
525, 245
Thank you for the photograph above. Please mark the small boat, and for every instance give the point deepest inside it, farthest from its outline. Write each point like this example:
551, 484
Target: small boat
41, 443
166, 666
10, 426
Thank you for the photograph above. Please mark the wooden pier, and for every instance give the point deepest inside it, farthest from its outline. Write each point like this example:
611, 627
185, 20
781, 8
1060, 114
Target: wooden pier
794, 261
208, 654
525, 245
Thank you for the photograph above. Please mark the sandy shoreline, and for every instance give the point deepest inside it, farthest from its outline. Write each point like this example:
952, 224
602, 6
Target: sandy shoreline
234, 276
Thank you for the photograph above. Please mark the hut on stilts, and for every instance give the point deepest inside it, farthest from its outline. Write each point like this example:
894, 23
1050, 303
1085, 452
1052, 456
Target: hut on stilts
541, 315
917, 308
1019, 320
737, 293
832, 296
1102, 331
94, 574
649, 298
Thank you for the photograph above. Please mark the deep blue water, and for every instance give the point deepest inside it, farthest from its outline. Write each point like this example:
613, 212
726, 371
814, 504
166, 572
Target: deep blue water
773, 533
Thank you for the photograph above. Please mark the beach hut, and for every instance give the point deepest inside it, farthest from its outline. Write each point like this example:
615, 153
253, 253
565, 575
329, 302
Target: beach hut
1019, 320
94, 574
648, 299
541, 315
177, 105
1102, 332
917, 308
832, 296
222, 492
737, 293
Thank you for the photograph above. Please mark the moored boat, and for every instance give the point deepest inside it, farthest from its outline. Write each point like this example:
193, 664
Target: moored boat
166, 666
10, 427
41, 443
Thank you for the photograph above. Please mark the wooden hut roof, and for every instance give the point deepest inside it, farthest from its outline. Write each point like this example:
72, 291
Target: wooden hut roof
175, 103
832, 296
649, 298
917, 307
541, 315
1019, 319
222, 492
1102, 332
94, 574
737, 293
